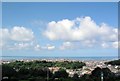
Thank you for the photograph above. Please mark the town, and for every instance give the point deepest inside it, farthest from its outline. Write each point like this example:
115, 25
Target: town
50, 69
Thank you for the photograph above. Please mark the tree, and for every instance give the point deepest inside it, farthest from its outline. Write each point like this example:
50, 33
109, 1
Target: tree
61, 74
75, 77
97, 72
8, 71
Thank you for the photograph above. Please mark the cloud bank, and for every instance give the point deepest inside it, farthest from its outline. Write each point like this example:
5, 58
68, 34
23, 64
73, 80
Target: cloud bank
80, 29
16, 34
82, 32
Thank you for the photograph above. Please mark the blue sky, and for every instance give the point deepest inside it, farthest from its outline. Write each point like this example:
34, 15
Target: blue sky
43, 39
60, 1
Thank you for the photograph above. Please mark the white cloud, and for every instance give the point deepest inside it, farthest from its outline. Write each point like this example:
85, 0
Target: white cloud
83, 30
21, 34
48, 47
89, 43
80, 29
105, 45
37, 47
20, 46
108, 33
115, 44
66, 45
51, 47
4, 36
17, 34
57, 30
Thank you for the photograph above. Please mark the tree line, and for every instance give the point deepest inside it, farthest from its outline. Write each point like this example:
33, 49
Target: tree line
38, 71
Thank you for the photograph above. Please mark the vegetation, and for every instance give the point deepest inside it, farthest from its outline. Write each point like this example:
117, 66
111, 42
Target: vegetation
38, 71
43, 64
61, 74
70, 65
115, 62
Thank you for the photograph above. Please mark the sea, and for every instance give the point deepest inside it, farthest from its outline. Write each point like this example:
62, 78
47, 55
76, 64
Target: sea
7, 58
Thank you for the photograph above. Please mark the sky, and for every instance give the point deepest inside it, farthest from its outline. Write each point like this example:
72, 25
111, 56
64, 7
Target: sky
59, 29
60, 1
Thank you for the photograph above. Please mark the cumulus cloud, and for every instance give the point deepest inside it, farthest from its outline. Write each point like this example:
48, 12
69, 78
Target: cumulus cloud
108, 33
20, 46
4, 36
16, 33
84, 30
89, 43
51, 47
105, 45
21, 34
48, 47
80, 29
66, 45
37, 47
12, 38
20, 38
115, 44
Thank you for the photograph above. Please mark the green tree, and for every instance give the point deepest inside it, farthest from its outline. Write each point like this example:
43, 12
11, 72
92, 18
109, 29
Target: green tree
61, 74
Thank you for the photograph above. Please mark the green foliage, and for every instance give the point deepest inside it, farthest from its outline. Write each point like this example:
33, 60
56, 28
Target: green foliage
38, 71
115, 62
23, 70
97, 72
43, 64
8, 71
70, 65
61, 74
75, 77
108, 75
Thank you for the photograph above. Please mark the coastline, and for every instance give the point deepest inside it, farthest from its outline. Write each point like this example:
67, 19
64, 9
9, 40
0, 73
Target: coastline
90, 61
9, 58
